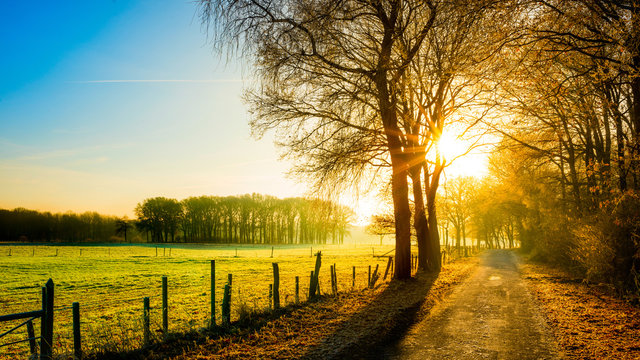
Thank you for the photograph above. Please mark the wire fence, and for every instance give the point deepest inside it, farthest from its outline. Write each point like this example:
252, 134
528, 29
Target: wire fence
113, 309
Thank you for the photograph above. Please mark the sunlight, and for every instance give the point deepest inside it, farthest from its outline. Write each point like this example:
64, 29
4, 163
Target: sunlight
461, 161
449, 146
364, 208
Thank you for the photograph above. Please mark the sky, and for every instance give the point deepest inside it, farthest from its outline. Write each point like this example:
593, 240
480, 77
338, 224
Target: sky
105, 103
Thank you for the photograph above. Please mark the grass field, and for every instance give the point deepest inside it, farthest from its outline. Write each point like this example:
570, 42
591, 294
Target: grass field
110, 282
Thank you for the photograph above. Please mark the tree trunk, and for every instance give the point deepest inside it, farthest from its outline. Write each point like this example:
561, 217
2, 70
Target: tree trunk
420, 219
402, 214
434, 257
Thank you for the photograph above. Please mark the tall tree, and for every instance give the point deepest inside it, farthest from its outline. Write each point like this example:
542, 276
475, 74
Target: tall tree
328, 72
607, 32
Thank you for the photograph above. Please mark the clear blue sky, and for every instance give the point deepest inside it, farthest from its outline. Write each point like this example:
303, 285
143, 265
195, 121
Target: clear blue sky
106, 102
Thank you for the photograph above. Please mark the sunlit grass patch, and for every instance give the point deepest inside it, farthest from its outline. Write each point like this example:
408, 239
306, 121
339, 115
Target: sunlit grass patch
110, 283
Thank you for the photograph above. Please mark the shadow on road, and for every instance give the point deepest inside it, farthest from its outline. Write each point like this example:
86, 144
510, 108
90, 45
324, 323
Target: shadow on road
385, 320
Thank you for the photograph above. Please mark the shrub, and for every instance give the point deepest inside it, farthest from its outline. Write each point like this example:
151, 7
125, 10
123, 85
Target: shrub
593, 252
607, 247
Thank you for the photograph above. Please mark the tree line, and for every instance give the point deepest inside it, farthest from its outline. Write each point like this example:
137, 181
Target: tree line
569, 156
564, 179
475, 213
29, 225
247, 219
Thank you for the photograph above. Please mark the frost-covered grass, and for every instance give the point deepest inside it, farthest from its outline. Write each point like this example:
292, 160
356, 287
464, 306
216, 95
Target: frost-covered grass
110, 282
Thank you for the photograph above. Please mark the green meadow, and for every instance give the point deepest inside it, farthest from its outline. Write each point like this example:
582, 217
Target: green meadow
111, 281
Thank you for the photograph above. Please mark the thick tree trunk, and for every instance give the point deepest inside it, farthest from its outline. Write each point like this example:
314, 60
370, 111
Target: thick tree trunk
402, 215
434, 257
420, 219
399, 166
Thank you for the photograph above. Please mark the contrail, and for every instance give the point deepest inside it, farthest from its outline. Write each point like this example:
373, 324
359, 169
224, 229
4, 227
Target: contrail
155, 81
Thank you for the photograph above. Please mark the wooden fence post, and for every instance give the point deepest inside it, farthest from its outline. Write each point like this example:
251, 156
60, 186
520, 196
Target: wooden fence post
46, 328
77, 341
9, 251
165, 306
156, 251
353, 282
32, 339
164, 251
333, 284
374, 277
145, 321
276, 285
314, 285
56, 252
386, 271
393, 269
212, 321
272, 251
226, 305
369, 281
297, 290
43, 328
335, 278
230, 280
271, 296
316, 274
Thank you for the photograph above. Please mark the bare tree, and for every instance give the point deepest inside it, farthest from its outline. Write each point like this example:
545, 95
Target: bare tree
328, 72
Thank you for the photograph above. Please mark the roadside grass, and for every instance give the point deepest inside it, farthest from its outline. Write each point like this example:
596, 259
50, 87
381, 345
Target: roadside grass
110, 282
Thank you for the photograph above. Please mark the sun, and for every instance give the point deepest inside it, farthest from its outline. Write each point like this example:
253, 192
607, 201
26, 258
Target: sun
450, 147
461, 156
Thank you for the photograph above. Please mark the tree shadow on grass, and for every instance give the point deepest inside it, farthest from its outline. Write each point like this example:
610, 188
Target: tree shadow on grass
363, 335
382, 322
178, 343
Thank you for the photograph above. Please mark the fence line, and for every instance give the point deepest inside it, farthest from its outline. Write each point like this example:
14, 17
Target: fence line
46, 327
275, 296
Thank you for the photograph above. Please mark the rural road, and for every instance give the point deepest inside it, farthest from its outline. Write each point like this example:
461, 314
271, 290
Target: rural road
489, 316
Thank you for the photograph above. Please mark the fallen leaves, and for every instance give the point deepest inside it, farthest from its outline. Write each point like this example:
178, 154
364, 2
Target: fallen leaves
587, 321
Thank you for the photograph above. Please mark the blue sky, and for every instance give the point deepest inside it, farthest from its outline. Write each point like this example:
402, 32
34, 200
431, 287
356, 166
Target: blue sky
104, 103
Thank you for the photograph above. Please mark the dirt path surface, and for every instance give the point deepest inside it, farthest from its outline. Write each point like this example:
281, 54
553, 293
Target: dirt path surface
489, 316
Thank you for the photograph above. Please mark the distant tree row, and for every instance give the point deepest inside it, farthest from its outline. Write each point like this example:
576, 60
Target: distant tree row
247, 219
474, 213
29, 225
480, 210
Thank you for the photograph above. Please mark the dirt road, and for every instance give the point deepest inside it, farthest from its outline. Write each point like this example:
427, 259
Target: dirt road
490, 316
